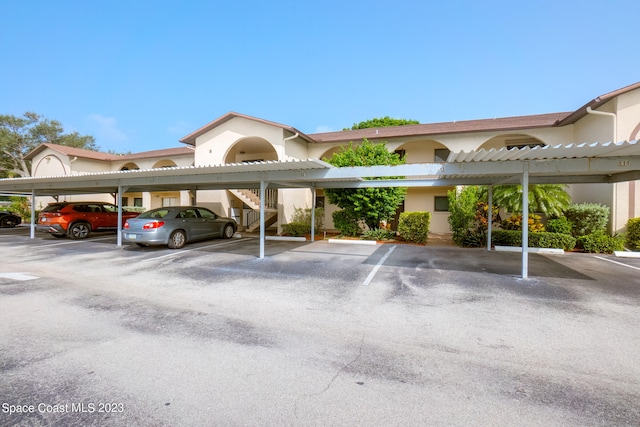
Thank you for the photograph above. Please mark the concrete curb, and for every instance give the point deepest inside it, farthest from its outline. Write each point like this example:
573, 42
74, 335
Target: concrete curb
353, 242
286, 238
627, 254
552, 251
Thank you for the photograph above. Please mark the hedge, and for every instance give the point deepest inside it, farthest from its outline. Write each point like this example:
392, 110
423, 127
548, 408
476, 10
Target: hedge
414, 226
633, 234
536, 240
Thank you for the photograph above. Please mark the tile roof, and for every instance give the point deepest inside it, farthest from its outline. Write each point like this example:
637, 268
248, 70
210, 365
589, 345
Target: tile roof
595, 103
497, 124
191, 138
99, 155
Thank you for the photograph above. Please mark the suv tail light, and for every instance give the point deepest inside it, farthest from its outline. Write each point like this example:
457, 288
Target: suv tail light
153, 224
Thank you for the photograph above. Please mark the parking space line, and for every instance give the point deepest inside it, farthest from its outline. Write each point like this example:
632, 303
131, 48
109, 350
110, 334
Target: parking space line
377, 267
17, 276
616, 262
71, 242
178, 252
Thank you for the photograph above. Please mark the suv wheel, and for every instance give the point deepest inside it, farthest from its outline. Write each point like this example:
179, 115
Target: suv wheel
8, 222
79, 230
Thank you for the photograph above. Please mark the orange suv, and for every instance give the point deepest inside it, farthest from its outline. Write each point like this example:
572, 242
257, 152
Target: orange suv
78, 219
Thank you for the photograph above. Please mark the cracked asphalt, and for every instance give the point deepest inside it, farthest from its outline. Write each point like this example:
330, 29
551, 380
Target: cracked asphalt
313, 334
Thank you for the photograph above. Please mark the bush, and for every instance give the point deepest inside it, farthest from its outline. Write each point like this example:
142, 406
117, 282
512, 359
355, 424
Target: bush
463, 207
559, 225
379, 234
514, 222
601, 242
296, 229
414, 226
587, 218
346, 223
633, 234
300, 223
541, 239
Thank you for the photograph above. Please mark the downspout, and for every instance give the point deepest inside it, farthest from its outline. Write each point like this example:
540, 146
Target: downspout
613, 116
284, 145
284, 142
614, 197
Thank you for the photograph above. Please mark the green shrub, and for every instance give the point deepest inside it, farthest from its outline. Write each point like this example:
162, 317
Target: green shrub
601, 242
414, 226
379, 234
346, 223
296, 229
300, 223
633, 234
559, 225
462, 207
587, 218
542, 239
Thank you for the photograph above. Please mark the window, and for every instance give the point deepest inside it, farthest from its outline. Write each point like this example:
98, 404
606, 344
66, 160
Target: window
401, 153
319, 201
169, 201
137, 202
441, 203
441, 154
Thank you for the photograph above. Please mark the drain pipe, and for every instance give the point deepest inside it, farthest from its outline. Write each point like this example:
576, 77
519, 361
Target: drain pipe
614, 200
613, 116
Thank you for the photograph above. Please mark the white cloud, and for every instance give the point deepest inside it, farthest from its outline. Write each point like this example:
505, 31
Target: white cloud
323, 128
106, 129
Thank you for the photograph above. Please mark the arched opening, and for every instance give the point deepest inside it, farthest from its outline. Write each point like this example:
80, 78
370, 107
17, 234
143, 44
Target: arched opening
251, 149
330, 152
424, 151
512, 141
166, 163
130, 167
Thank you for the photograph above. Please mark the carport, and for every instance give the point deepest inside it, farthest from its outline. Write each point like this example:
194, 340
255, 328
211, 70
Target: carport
570, 164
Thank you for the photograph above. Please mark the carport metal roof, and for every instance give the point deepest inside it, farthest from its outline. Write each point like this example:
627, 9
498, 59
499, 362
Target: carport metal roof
574, 163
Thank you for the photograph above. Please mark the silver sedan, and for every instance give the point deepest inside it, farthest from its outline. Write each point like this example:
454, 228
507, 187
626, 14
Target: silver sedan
176, 225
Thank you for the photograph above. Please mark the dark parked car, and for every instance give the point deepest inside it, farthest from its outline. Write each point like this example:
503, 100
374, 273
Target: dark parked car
9, 219
176, 225
78, 219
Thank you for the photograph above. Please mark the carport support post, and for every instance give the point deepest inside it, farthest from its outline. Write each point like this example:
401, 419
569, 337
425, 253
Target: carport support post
263, 186
119, 227
33, 214
490, 217
525, 220
313, 214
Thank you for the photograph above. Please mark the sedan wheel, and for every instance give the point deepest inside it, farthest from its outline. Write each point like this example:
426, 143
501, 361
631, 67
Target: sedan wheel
177, 239
79, 230
228, 231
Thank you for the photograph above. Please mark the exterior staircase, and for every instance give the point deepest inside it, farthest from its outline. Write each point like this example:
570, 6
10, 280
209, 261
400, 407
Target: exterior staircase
251, 198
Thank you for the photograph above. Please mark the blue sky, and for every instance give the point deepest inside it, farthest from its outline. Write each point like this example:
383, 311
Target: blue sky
139, 75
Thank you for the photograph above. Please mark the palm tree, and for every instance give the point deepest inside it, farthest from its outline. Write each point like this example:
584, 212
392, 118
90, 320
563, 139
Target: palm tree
549, 199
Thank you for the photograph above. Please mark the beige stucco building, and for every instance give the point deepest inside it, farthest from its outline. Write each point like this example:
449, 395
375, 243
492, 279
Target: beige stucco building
237, 138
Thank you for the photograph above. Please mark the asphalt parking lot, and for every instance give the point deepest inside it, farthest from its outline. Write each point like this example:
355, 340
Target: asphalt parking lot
313, 334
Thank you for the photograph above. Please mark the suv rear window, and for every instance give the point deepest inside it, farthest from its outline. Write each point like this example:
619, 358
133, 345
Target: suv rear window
54, 207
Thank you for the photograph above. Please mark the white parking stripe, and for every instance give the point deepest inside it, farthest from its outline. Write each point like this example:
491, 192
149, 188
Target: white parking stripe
616, 262
377, 267
17, 276
179, 252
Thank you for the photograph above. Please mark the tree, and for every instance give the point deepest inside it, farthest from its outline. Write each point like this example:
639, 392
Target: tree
550, 199
371, 205
383, 122
20, 135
